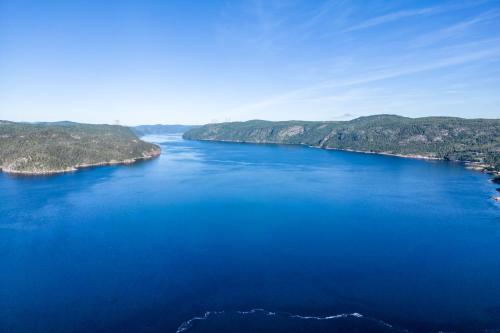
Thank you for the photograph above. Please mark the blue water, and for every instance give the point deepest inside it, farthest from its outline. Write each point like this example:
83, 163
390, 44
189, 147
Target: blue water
301, 233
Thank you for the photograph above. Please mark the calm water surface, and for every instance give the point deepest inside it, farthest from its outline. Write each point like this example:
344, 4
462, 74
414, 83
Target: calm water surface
320, 240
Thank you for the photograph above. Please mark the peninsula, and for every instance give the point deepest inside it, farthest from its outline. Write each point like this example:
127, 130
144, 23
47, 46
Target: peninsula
47, 148
474, 141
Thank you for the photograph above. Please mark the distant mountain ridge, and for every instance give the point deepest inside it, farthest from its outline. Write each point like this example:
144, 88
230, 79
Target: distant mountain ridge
159, 129
45, 148
468, 140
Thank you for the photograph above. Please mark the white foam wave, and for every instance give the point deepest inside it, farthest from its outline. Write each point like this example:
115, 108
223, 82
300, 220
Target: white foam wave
189, 323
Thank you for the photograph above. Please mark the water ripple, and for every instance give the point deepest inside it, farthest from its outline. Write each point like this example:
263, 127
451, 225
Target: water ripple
187, 325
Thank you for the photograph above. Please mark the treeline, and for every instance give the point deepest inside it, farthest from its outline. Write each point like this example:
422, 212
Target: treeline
53, 147
473, 140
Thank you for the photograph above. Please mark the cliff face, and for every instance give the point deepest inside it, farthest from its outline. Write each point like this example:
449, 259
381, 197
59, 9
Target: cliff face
46, 148
472, 140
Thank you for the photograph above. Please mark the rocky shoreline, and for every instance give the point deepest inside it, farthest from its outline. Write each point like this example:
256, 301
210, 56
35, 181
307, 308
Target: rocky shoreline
413, 156
474, 166
145, 156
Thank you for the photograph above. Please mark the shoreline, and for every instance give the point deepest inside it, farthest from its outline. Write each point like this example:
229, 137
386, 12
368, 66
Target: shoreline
413, 156
469, 165
146, 156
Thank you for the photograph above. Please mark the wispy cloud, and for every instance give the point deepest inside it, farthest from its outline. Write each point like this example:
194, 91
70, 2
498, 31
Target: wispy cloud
344, 71
255, 23
402, 14
374, 76
340, 8
270, 25
318, 15
456, 29
391, 17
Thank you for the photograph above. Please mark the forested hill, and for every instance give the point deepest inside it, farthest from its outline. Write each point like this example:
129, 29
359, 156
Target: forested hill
44, 148
474, 140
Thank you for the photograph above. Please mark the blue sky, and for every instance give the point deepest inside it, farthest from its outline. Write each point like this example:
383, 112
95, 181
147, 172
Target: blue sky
149, 61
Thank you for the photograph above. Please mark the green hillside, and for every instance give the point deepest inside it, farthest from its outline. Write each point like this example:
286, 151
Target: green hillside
57, 147
471, 140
